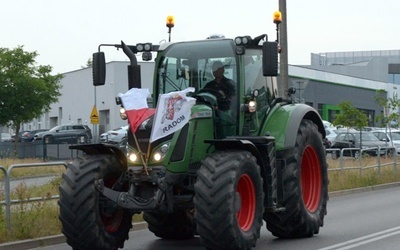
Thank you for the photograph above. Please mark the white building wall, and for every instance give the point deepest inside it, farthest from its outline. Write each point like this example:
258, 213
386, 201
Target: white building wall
78, 98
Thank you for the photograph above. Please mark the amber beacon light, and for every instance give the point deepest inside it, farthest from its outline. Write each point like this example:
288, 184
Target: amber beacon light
170, 24
277, 17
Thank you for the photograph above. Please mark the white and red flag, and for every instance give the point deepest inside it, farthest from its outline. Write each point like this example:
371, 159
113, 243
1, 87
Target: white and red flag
172, 113
136, 107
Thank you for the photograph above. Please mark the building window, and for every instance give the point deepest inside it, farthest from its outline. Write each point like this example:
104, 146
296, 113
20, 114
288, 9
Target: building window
394, 73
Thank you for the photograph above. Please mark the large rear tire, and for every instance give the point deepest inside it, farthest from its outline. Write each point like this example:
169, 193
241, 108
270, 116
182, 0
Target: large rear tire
89, 220
305, 187
229, 201
176, 226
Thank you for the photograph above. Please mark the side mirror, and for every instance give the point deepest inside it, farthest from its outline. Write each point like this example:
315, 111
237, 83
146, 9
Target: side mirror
99, 69
270, 59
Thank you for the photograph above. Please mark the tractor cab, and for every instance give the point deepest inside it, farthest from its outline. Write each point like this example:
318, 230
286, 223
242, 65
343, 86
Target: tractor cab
190, 64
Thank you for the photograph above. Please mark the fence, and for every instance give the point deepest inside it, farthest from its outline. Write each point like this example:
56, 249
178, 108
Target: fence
55, 149
380, 152
8, 202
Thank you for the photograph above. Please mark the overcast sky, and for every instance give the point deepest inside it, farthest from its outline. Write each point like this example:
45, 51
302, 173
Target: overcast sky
65, 33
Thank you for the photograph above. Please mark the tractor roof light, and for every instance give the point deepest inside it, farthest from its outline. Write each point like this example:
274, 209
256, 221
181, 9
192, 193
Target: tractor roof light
243, 40
277, 17
170, 21
140, 47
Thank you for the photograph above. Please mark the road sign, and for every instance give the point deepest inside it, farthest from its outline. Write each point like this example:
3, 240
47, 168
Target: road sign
94, 116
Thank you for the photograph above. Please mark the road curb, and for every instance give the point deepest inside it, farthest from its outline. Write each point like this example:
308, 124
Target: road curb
60, 239
363, 189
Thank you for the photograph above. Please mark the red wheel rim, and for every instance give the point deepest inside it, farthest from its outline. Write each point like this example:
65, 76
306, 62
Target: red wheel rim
111, 222
245, 215
311, 179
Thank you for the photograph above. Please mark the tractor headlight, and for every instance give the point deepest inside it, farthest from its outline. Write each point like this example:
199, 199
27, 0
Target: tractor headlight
132, 157
122, 113
160, 153
252, 106
157, 156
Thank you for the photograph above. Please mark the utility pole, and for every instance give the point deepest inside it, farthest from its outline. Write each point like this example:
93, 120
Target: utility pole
283, 65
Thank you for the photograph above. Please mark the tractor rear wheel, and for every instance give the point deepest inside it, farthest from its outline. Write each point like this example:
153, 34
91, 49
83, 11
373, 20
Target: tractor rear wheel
229, 200
176, 226
89, 220
305, 187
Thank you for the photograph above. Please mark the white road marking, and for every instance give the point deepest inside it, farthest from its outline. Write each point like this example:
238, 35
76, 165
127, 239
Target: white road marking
364, 239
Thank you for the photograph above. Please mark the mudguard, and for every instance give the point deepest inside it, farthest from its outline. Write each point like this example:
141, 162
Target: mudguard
102, 149
284, 120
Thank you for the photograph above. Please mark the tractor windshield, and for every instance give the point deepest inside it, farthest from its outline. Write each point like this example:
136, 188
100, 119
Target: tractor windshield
189, 64
208, 66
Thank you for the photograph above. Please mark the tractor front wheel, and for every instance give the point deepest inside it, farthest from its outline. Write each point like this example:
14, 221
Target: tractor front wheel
229, 200
90, 220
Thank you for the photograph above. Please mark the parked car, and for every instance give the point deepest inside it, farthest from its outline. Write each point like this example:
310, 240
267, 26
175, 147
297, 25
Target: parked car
28, 136
331, 133
369, 143
114, 136
392, 136
327, 124
19, 136
6, 137
69, 130
327, 144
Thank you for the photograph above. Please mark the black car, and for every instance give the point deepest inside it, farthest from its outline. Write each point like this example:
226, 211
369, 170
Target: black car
364, 140
66, 134
29, 135
14, 136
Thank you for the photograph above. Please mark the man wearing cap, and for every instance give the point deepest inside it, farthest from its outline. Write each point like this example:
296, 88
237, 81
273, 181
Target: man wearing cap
223, 87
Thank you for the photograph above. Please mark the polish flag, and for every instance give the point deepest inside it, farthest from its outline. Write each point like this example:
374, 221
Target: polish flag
136, 108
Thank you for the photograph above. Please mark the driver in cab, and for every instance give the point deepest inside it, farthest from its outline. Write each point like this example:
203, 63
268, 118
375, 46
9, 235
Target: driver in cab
222, 86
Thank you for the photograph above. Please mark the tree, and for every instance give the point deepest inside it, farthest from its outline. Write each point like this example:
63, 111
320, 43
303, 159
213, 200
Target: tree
27, 89
89, 63
350, 116
390, 106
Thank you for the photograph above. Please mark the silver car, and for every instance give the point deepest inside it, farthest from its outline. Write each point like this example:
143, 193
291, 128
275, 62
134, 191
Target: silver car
392, 136
114, 136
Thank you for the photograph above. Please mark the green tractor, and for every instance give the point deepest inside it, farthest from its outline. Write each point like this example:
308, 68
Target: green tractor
219, 176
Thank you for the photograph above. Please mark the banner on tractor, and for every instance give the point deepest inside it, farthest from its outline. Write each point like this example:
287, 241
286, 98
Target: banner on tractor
172, 113
136, 107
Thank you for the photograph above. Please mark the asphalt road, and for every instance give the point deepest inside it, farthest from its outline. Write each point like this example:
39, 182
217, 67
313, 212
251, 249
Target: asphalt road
360, 220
